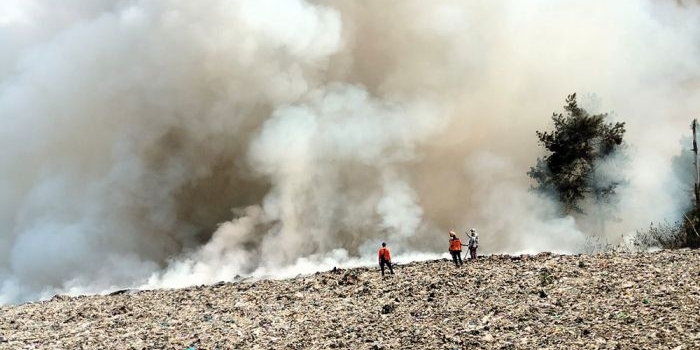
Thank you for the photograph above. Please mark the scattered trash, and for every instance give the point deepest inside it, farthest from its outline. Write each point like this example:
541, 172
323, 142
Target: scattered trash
120, 292
645, 301
388, 308
58, 297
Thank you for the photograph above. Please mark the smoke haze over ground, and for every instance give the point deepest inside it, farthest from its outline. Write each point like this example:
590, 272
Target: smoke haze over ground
164, 143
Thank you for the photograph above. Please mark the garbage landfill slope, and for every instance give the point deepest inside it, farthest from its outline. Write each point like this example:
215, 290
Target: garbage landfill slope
607, 301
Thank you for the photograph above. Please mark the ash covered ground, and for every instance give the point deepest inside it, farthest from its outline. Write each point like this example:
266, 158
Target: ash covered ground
605, 301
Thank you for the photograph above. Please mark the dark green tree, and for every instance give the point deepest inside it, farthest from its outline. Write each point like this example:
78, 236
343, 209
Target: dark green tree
579, 150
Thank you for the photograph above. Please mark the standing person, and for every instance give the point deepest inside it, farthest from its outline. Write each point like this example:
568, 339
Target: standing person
385, 258
456, 248
473, 243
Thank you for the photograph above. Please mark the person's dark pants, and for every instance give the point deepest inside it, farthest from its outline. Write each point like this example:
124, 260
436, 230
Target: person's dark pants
472, 253
457, 257
387, 263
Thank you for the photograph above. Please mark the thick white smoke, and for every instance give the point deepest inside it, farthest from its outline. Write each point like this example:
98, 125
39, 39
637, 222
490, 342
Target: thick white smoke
171, 142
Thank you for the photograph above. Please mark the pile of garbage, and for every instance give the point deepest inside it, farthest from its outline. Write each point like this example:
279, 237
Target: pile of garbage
606, 301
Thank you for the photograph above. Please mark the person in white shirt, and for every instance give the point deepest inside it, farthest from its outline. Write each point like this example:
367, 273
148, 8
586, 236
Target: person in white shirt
473, 243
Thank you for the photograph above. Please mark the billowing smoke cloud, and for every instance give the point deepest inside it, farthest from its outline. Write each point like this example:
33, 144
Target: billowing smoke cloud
166, 143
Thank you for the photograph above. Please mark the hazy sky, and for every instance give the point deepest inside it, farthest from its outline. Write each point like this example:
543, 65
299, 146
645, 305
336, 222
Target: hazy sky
164, 143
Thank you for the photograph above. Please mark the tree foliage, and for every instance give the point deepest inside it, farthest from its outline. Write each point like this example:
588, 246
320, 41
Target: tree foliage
575, 149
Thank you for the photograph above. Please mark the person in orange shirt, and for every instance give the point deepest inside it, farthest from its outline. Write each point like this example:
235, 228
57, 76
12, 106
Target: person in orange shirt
385, 258
456, 248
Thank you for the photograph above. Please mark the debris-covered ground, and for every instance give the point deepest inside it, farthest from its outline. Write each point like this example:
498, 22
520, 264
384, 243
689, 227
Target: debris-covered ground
609, 301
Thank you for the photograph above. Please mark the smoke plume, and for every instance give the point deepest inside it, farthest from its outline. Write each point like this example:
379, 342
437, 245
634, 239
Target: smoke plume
163, 143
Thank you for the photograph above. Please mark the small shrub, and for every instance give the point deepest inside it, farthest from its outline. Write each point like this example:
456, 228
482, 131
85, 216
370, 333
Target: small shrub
661, 235
546, 277
594, 245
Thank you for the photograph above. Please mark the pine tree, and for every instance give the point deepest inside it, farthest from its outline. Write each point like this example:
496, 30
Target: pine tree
576, 149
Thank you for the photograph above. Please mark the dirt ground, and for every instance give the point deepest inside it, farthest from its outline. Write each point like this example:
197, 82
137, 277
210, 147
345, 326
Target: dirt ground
545, 301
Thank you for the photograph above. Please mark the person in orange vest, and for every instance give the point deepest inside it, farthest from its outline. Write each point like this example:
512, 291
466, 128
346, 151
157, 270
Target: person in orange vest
456, 248
385, 258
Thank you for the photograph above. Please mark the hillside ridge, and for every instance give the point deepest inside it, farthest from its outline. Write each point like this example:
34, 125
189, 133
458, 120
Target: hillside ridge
605, 301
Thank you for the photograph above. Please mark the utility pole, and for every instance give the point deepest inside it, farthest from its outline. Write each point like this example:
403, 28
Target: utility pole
694, 241
697, 169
